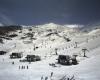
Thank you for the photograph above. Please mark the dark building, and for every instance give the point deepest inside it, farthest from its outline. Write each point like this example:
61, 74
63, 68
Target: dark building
16, 55
64, 59
32, 58
2, 52
67, 60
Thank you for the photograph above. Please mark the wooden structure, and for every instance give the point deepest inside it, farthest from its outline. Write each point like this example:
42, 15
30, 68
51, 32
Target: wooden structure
2, 52
16, 55
32, 58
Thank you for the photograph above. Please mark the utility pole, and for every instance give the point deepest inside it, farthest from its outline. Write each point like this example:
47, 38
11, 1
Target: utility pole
76, 44
34, 47
56, 49
84, 51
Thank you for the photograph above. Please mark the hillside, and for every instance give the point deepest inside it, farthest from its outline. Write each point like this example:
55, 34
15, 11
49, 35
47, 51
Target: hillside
44, 40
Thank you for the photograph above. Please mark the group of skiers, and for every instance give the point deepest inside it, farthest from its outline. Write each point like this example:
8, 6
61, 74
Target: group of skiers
47, 78
24, 67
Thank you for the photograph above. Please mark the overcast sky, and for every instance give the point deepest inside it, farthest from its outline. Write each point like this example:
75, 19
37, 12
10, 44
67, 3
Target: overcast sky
30, 12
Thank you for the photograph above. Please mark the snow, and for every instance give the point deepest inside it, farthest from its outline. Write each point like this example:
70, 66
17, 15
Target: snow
87, 69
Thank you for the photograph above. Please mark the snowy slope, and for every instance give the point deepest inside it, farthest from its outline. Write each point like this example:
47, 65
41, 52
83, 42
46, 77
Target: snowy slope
48, 37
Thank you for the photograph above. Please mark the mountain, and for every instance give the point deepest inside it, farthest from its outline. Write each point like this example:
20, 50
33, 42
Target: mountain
1, 24
90, 27
44, 41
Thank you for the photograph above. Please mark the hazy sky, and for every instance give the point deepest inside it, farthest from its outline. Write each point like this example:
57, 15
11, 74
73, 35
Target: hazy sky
30, 12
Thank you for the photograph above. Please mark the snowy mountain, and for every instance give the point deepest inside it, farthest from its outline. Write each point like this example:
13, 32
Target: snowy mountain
90, 27
44, 40
1, 24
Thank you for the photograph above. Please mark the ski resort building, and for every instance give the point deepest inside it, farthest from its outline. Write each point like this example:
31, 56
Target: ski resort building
32, 58
16, 55
67, 60
2, 52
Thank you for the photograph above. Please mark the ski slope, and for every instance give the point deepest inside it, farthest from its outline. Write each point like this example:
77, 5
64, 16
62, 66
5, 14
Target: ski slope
87, 69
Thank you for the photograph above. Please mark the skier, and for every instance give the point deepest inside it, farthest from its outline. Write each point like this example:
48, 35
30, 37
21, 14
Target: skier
42, 78
13, 62
19, 67
46, 78
27, 66
51, 74
22, 67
